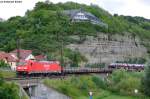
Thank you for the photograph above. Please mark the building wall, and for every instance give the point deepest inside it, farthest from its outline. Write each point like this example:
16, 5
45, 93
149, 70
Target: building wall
80, 16
13, 65
30, 57
4, 60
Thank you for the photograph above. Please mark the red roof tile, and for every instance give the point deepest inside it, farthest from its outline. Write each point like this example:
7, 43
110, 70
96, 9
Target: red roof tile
7, 56
40, 57
3, 55
23, 53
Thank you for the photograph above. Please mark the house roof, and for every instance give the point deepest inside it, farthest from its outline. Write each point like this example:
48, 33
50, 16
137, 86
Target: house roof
23, 53
11, 58
7, 56
3, 55
40, 57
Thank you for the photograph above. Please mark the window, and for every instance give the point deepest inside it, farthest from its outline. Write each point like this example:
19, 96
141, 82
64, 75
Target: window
22, 63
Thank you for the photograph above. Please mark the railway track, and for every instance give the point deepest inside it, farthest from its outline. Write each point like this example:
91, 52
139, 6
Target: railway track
42, 77
66, 73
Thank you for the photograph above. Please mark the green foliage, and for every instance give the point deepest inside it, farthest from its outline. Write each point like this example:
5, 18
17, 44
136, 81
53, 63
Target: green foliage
7, 73
45, 27
100, 82
3, 64
96, 65
77, 87
146, 81
1, 79
118, 75
127, 86
134, 61
8, 90
125, 82
73, 86
75, 57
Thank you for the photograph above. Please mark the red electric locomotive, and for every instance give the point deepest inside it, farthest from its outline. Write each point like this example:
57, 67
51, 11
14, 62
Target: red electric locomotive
39, 67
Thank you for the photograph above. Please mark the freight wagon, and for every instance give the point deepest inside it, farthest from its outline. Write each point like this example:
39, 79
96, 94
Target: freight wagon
127, 66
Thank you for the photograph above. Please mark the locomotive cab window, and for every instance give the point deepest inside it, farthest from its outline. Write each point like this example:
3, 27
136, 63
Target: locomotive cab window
22, 63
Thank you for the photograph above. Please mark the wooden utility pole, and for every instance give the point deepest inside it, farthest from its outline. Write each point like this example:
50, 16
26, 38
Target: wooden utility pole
62, 60
18, 49
61, 41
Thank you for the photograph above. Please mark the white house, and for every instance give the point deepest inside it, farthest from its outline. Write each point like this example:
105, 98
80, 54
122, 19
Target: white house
79, 15
21, 54
9, 59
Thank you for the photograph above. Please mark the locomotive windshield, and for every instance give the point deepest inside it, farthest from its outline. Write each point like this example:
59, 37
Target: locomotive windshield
22, 63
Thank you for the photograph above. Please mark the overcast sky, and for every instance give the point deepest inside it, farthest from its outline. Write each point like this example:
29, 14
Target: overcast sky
124, 7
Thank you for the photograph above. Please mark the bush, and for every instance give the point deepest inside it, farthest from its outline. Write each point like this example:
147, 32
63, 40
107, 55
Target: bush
7, 74
8, 90
134, 61
101, 83
127, 86
63, 89
125, 83
75, 57
146, 81
96, 65
3, 64
117, 76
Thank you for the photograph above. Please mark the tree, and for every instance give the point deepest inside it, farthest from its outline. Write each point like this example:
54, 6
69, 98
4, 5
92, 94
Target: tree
146, 81
75, 60
8, 90
3, 64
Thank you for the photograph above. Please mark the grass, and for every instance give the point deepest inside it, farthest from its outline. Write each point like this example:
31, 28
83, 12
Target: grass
7, 74
103, 94
118, 97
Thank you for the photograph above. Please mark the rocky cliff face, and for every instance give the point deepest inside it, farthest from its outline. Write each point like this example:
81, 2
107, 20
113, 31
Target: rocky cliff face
106, 49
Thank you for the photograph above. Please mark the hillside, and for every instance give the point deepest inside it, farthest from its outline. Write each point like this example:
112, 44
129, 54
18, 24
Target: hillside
45, 28
102, 50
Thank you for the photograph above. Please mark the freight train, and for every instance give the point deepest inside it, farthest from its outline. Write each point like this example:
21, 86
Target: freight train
32, 67
127, 66
38, 67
